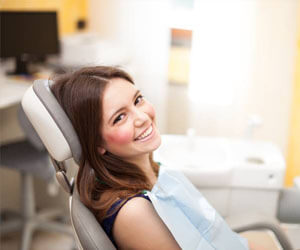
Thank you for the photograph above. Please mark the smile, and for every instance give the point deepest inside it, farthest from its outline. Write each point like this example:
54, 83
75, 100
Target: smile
146, 134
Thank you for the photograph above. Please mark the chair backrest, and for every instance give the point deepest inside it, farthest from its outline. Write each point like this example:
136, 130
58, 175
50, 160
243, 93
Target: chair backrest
60, 139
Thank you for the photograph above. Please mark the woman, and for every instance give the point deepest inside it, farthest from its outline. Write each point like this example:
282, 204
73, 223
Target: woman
117, 129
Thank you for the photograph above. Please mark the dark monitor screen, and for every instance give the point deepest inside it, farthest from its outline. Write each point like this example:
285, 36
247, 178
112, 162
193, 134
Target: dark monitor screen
28, 33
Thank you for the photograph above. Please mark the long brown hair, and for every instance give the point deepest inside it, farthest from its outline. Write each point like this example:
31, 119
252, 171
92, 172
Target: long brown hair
101, 179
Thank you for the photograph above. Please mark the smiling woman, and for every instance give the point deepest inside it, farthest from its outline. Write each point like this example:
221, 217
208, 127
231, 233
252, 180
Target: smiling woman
117, 129
117, 178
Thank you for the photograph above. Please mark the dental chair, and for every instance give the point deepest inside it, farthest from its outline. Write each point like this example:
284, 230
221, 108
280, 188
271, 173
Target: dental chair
59, 137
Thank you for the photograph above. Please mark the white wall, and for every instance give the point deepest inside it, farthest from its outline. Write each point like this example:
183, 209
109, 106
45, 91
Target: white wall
247, 50
139, 26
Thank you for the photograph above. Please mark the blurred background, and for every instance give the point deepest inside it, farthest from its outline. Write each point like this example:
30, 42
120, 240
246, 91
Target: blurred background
216, 68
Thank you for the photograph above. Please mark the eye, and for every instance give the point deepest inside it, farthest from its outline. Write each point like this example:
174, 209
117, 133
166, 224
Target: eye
119, 118
138, 99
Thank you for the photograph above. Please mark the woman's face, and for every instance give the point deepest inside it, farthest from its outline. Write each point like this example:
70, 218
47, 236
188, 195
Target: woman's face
129, 127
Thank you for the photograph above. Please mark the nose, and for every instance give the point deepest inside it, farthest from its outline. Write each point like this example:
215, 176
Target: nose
140, 118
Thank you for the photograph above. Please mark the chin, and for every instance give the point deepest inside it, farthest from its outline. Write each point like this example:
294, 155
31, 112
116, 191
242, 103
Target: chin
154, 144
157, 142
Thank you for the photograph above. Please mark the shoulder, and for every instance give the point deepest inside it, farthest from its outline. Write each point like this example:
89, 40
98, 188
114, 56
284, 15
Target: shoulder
138, 226
134, 207
135, 211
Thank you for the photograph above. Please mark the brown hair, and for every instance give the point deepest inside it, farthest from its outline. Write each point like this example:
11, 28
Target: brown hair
101, 179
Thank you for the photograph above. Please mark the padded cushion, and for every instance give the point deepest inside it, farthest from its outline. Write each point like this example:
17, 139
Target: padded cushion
90, 234
29, 131
51, 122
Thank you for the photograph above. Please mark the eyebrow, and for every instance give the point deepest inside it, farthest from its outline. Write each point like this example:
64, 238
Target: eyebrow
120, 109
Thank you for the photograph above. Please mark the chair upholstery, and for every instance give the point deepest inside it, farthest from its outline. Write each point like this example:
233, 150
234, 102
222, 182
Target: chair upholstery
51, 123
90, 233
29, 131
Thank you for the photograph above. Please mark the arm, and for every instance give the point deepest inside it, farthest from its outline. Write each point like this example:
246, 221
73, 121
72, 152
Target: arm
254, 246
138, 226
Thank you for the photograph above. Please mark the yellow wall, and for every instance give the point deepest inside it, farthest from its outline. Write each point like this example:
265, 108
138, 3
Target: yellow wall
293, 156
69, 11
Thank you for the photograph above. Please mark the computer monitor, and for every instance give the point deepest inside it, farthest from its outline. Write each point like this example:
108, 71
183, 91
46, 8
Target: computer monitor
27, 35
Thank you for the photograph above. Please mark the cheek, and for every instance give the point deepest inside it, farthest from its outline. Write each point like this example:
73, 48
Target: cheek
119, 137
150, 111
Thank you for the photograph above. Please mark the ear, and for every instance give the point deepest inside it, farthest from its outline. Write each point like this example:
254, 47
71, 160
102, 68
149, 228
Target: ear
101, 150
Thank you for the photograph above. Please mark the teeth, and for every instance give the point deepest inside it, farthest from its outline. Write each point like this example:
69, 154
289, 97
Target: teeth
147, 132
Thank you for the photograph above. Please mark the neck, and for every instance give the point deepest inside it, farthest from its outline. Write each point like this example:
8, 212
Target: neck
143, 162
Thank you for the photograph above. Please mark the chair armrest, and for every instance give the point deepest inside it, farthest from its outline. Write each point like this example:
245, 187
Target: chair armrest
247, 222
288, 210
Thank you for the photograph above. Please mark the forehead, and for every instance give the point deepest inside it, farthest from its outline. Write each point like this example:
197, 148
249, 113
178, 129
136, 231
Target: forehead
116, 94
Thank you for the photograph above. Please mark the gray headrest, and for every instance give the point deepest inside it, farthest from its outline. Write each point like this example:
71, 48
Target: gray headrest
51, 122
